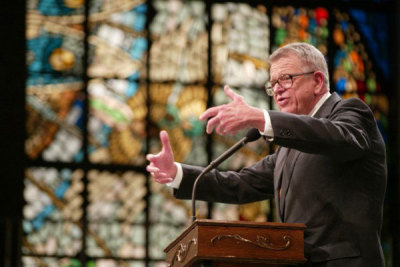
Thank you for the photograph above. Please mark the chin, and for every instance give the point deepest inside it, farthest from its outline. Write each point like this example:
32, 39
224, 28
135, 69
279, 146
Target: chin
287, 110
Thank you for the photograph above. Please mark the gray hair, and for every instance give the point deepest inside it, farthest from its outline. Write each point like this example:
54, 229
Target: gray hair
311, 56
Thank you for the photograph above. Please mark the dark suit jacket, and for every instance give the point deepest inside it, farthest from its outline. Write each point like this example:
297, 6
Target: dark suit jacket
332, 179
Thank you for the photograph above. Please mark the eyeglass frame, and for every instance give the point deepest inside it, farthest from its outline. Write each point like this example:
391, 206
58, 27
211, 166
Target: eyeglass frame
270, 89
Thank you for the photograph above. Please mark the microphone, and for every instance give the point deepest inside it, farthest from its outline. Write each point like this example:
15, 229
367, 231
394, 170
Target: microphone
252, 135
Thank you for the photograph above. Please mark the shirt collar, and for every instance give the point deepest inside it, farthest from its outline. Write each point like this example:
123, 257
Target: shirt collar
319, 103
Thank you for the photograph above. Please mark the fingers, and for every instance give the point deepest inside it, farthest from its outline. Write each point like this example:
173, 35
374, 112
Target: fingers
211, 112
159, 176
152, 169
163, 180
211, 124
150, 157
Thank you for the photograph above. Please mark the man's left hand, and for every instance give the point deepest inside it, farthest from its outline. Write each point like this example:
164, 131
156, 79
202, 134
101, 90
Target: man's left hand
234, 116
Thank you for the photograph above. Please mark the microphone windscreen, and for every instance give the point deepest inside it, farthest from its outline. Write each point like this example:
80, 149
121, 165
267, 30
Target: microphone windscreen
252, 135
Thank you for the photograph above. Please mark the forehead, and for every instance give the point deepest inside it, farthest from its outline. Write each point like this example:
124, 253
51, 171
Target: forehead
289, 64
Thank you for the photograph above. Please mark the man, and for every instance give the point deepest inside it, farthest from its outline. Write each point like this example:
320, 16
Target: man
328, 173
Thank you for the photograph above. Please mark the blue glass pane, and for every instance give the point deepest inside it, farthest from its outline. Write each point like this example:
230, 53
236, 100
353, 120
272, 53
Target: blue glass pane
118, 44
374, 27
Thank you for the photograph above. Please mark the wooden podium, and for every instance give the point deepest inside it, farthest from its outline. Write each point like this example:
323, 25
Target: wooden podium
224, 243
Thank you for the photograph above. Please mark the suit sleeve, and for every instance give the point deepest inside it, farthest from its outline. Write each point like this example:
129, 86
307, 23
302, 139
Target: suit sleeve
345, 133
253, 183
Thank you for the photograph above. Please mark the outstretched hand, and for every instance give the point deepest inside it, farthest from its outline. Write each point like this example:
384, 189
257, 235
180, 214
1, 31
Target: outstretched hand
234, 116
162, 165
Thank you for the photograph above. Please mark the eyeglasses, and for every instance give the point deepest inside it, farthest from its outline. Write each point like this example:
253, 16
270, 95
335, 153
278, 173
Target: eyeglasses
285, 81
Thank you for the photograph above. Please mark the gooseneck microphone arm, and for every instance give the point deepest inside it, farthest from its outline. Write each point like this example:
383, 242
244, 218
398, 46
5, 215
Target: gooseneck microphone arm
252, 135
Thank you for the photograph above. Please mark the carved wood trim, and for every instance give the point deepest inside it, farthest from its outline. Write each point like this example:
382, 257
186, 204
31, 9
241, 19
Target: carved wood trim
261, 241
182, 252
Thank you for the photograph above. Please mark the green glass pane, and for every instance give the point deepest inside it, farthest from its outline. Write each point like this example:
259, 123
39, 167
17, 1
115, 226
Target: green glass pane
117, 122
50, 262
176, 108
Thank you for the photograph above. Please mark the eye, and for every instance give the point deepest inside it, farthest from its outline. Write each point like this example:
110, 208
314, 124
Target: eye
284, 77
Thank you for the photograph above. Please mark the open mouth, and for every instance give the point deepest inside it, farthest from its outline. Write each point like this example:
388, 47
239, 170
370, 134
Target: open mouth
282, 101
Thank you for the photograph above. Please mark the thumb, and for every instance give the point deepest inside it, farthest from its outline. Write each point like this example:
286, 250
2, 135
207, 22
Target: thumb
165, 141
230, 93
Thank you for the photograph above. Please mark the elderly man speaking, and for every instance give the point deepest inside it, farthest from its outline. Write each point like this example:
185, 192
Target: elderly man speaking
329, 171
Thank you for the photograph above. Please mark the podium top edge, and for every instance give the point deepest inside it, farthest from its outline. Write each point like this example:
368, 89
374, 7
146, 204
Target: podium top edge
272, 225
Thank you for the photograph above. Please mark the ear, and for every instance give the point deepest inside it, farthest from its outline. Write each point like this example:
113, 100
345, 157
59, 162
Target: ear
318, 82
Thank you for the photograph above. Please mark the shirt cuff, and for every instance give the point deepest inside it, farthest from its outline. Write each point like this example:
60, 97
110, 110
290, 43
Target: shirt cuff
268, 131
178, 178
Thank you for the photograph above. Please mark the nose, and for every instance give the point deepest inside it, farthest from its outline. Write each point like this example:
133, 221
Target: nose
278, 89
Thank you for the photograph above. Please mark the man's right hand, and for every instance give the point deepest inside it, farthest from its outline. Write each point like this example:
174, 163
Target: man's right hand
162, 165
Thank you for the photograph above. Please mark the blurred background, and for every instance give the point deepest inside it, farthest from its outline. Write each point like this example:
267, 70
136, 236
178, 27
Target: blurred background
87, 86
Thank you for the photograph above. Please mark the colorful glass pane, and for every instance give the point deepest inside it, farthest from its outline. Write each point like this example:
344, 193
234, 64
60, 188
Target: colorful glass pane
176, 108
117, 121
118, 44
240, 44
116, 214
54, 122
300, 25
179, 42
374, 29
354, 73
53, 211
54, 99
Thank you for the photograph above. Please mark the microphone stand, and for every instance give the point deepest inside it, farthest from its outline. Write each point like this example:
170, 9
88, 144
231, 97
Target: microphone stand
213, 165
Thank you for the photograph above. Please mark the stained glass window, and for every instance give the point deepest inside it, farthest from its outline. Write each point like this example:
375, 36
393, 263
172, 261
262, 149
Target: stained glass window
308, 25
355, 73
